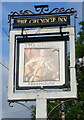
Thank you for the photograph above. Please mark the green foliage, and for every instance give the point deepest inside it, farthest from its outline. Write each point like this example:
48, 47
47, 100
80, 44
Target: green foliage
75, 111
80, 69
80, 42
33, 112
79, 50
53, 115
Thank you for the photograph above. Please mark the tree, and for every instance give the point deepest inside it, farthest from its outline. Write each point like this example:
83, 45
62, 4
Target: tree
76, 108
80, 68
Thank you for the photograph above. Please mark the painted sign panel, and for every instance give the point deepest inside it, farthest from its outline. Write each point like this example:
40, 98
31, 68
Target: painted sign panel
41, 21
41, 64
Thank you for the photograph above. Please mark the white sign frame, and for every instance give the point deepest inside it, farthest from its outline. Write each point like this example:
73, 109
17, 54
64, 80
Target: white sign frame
41, 94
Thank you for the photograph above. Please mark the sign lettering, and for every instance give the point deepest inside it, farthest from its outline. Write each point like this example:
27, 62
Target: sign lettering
41, 21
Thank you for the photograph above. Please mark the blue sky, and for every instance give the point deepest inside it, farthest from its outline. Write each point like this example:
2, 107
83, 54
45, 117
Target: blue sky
7, 7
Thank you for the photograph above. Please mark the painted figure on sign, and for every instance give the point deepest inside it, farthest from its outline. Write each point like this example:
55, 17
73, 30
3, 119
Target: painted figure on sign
40, 66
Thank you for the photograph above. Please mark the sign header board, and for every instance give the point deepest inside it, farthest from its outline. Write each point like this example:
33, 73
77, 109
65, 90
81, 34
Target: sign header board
61, 20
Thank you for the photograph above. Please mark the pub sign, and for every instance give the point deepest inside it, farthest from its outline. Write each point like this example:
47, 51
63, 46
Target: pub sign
61, 20
38, 54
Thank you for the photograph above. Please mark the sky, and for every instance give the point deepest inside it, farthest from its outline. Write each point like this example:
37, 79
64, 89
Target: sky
7, 7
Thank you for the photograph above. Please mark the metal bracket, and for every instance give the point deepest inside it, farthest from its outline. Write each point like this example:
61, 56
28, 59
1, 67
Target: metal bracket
10, 104
20, 104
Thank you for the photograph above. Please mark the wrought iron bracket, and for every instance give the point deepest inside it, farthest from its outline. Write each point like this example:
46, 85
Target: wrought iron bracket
42, 10
11, 102
60, 105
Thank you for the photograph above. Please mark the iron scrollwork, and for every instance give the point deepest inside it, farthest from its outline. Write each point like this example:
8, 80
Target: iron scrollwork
22, 12
10, 104
43, 9
29, 108
61, 10
39, 9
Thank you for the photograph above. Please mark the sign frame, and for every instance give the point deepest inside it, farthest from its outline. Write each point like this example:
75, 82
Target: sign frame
33, 95
40, 46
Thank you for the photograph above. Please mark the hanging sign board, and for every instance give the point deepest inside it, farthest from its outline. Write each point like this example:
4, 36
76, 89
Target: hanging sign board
62, 20
36, 65
41, 64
